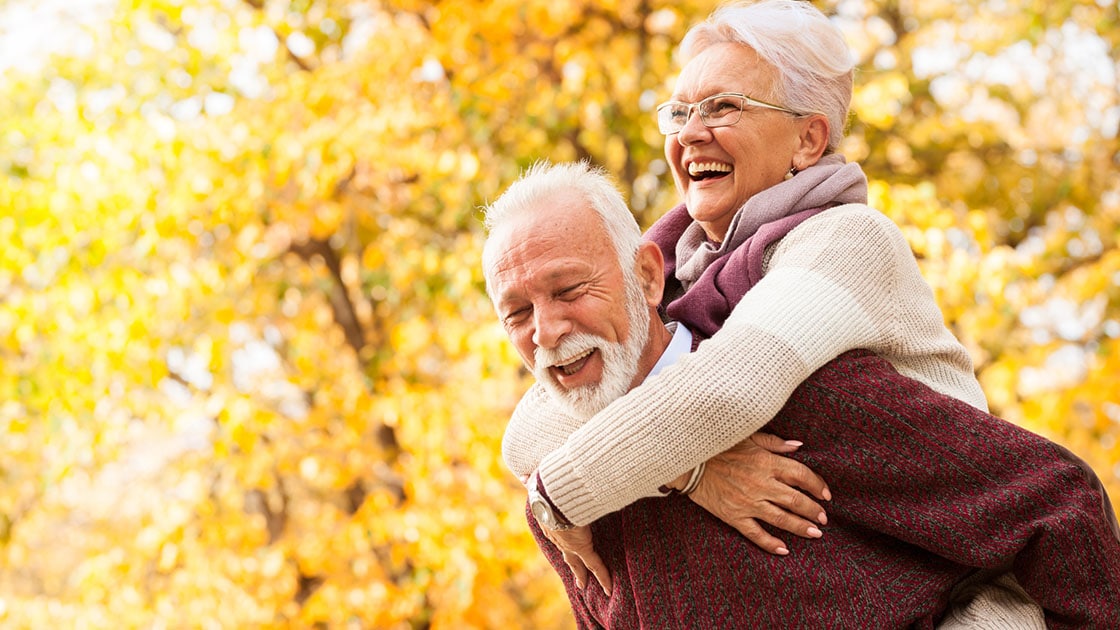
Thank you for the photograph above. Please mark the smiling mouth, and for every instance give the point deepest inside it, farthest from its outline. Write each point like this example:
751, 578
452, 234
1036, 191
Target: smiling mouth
698, 171
575, 364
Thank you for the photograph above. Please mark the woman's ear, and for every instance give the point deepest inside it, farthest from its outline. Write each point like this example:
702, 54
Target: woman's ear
649, 265
812, 141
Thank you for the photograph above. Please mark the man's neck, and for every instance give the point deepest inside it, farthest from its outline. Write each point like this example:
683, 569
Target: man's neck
659, 338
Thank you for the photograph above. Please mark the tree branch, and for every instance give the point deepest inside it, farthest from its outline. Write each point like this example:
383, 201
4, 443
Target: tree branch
344, 313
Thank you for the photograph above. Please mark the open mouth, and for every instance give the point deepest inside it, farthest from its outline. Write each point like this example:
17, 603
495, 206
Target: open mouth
575, 364
698, 171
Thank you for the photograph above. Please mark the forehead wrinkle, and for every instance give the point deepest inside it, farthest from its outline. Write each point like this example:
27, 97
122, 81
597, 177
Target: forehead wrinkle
565, 237
533, 264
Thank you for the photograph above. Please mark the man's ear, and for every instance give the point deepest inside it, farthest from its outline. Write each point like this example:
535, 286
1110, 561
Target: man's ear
812, 141
649, 265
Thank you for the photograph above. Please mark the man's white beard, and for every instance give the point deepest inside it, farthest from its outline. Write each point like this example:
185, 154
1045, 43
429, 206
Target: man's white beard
620, 360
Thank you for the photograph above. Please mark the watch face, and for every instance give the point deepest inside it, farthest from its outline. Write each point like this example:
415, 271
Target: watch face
540, 510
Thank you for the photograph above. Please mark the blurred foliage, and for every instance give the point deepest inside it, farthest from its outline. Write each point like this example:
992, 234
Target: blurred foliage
248, 374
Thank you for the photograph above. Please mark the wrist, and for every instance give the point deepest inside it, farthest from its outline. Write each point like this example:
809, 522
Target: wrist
679, 483
686, 483
547, 514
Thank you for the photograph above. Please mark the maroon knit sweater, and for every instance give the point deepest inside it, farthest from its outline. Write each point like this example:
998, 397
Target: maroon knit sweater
926, 490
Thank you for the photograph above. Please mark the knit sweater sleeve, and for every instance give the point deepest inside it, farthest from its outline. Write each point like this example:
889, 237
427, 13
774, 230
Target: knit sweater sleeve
831, 285
539, 424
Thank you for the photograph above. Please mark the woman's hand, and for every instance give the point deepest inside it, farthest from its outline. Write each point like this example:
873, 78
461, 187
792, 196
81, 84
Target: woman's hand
753, 480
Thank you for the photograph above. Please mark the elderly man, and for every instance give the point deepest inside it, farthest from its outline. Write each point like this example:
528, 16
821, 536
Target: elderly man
931, 490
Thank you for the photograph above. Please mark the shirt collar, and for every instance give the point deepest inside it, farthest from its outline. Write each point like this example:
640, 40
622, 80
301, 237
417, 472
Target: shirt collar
679, 345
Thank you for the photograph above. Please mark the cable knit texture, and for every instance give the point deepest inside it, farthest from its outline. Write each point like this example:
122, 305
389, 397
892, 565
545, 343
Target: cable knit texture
921, 499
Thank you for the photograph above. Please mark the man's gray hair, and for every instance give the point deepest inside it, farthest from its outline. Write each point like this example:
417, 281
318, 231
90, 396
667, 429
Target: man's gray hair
543, 182
815, 65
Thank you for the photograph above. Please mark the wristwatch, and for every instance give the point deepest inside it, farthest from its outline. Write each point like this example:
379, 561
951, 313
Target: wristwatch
542, 509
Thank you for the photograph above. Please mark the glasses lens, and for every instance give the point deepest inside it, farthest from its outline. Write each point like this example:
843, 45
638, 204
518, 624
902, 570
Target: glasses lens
672, 117
721, 110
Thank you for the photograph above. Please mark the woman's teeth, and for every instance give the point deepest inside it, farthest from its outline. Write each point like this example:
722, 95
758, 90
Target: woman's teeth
707, 168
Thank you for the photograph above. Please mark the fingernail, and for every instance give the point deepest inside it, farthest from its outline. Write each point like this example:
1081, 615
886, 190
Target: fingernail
579, 583
815, 533
793, 443
823, 519
782, 551
827, 495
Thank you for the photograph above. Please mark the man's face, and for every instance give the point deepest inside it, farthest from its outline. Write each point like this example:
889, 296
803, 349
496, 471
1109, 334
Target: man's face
577, 319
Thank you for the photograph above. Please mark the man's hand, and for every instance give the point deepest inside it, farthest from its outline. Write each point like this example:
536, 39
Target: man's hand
753, 481
579, 554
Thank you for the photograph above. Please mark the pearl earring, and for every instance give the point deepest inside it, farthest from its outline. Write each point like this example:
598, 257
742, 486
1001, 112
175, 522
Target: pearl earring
790, 173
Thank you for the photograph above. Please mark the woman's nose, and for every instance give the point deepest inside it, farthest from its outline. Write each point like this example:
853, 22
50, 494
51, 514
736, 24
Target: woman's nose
694, 130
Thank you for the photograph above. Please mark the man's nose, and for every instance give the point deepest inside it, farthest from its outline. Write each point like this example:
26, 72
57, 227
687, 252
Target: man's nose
549, 326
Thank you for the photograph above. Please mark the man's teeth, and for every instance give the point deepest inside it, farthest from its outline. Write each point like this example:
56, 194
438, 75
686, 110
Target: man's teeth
570, 367
695, 168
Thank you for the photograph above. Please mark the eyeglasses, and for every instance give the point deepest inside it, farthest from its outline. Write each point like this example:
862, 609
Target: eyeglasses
718, 110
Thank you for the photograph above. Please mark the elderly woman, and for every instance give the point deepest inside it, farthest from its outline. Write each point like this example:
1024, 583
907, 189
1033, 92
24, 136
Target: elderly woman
751, 136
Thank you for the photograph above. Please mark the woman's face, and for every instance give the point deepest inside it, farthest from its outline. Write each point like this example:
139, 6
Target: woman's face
718, 169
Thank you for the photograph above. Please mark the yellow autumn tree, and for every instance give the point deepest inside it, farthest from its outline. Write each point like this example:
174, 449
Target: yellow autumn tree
248, 373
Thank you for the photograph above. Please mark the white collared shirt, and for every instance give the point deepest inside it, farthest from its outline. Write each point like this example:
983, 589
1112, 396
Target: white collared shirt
679, 345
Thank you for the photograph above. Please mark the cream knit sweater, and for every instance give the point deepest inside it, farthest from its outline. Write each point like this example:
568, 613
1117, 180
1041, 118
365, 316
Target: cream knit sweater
842, 280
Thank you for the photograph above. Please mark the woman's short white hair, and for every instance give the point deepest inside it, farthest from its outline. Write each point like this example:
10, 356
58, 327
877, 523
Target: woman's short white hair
543, 182
815, 65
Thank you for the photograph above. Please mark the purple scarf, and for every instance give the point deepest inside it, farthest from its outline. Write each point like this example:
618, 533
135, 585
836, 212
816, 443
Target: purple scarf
718, 275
